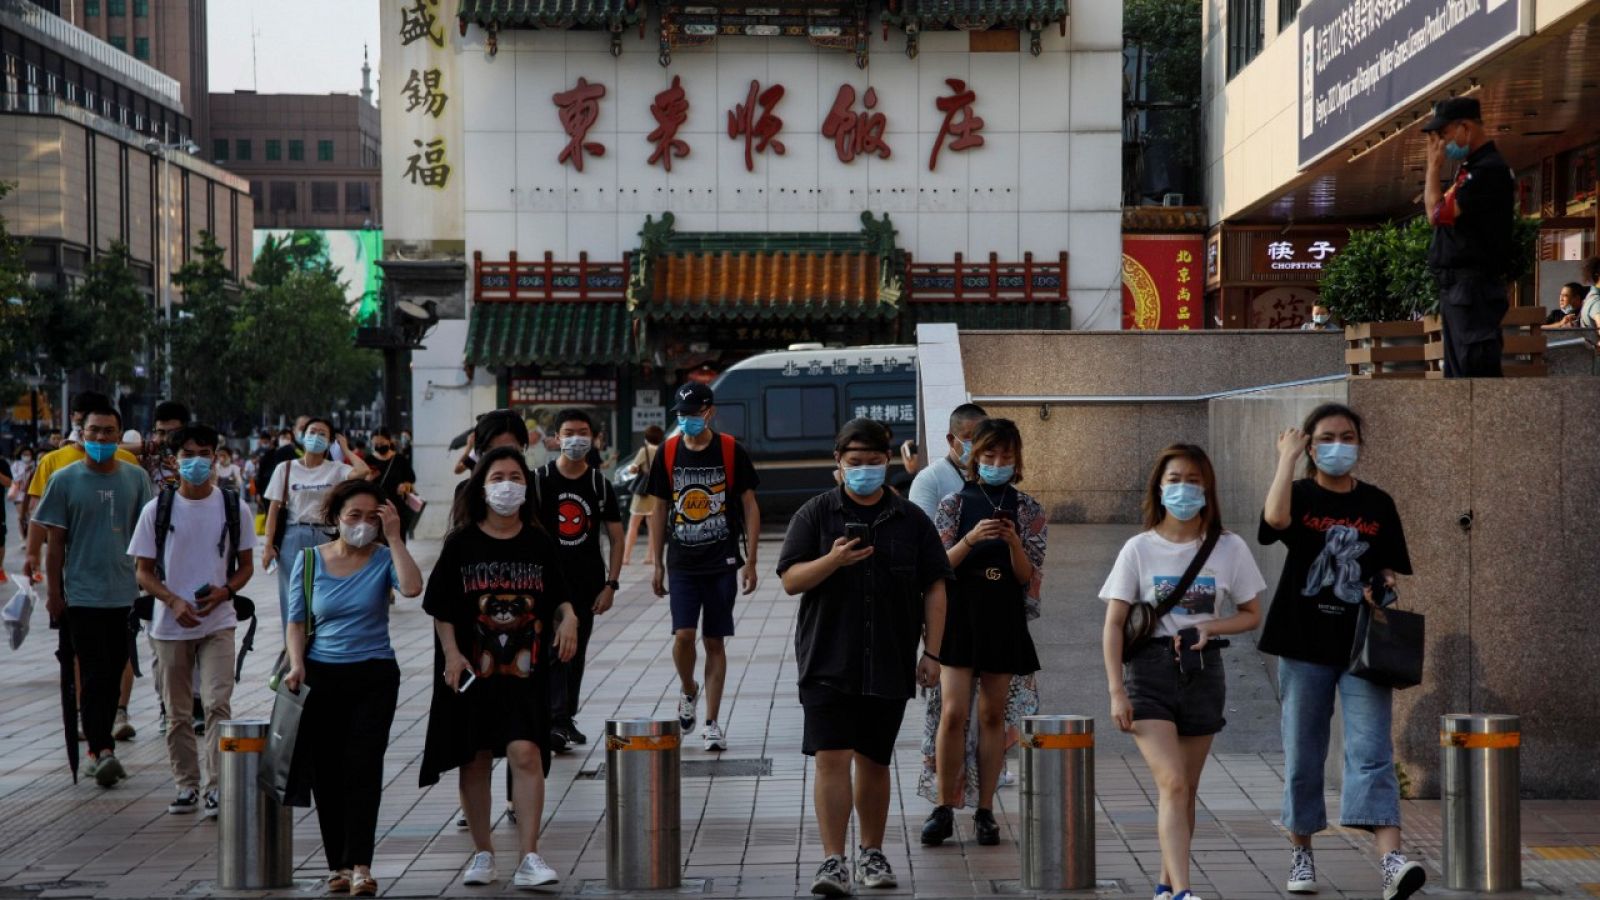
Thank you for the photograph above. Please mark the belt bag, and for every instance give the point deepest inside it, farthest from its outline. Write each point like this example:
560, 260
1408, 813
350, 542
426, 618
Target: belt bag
1140, 625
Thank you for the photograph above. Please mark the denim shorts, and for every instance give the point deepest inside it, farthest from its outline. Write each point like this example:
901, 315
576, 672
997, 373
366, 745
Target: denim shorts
1192, 701
704, 601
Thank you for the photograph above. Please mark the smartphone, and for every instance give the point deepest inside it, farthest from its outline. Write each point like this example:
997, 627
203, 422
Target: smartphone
1189, 659
1382, 594
1005, 515
860, 532
201, 592
466, 682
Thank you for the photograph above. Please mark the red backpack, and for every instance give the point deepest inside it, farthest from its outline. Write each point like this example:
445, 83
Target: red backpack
670, 454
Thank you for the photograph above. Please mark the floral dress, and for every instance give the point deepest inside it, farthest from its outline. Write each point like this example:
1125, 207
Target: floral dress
1023, 697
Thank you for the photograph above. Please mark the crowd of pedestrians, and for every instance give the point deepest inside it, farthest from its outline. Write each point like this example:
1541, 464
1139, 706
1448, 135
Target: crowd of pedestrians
932, 590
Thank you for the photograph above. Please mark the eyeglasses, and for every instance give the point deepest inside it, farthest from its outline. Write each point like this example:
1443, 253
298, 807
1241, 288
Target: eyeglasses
109, 432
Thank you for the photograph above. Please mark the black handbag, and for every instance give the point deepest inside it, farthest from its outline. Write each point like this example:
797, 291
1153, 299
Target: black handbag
1388, 647
1143, 618
278, 767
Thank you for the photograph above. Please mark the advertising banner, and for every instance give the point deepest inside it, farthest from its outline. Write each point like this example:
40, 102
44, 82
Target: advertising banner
1162, 276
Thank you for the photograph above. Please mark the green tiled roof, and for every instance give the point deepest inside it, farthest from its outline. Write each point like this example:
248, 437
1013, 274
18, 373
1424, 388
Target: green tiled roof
550, 13
951, 13
981, 315
502, 333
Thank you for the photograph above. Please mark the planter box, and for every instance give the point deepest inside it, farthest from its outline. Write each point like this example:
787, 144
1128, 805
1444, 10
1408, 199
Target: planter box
1386, 350
1523, 356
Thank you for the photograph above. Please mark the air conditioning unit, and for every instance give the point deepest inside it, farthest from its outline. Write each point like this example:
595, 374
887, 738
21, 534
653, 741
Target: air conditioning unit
1171, 199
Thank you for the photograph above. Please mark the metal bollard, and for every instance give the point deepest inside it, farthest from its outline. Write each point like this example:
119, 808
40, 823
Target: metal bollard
1480, 773
255, 835
643, 824
1057, 803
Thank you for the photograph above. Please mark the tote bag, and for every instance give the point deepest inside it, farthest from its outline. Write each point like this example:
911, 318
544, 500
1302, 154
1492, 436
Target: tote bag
288, 709
1388, 647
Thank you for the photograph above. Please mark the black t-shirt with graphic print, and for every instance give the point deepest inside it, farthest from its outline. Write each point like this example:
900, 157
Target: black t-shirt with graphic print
706, 526
1336, 543
574, 511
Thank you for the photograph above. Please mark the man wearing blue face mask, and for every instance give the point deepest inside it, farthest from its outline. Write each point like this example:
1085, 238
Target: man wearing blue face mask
947, 475
1471, 250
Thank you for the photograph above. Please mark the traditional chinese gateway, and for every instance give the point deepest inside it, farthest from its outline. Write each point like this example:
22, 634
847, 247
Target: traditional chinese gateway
604, 198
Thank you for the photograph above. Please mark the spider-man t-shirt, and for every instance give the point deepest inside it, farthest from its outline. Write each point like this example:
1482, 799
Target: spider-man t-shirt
1336, 543
574, 511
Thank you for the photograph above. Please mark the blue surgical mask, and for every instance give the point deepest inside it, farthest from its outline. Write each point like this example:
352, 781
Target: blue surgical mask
692, 426
863, 481
100, 451
194, 469
966, 452
1456, 152
994, 476
315, 443
1337, 459
1183, 501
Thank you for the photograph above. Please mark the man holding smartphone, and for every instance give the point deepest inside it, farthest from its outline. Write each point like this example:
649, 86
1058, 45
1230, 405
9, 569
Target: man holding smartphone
194, 571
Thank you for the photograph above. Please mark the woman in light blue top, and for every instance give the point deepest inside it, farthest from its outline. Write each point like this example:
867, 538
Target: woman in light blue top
350, 669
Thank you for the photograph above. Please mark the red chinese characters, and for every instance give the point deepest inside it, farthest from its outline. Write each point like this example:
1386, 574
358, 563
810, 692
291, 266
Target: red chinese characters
762, 128
579, 109
671, 110
856, 133
959, 120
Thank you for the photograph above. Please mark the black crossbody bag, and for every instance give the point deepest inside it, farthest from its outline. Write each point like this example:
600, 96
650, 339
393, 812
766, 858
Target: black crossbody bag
1140, 625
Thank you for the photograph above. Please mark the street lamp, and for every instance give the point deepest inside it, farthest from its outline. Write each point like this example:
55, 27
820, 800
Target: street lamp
164, 259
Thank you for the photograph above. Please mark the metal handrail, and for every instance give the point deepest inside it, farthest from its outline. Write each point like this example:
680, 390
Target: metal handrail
1087, 399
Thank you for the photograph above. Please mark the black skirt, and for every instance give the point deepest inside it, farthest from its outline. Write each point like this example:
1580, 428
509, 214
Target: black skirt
489, 715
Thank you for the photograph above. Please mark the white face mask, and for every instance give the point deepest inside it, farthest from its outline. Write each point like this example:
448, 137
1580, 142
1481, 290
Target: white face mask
575, 447
505, 497
359, 535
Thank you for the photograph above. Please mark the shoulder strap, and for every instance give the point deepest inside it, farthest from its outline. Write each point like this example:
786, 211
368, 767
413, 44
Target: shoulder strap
727, 461
670, 448
164, 502
230, 512
599, 488
308, 581
1189, 575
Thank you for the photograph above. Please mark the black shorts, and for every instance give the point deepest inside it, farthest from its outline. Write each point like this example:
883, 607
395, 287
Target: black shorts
839, 721
1194, 701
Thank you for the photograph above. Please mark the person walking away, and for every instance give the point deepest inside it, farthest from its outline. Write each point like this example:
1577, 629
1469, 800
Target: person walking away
298, 490
1472, 243
90, 511
343, 587
643, 504
707, 488
948, 474
994, 536
1170, 692
393, 474
496, 595
575, 504
1343, 535
194, 577
870, 571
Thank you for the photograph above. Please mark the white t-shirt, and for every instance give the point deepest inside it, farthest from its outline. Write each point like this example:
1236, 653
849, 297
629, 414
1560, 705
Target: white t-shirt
303, 489
937, 480
1150, 566
195, 557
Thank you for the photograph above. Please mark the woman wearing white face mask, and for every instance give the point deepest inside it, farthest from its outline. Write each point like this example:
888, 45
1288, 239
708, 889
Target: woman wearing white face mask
1342, 535
1181, 574
298, 490
502, 615
351, 670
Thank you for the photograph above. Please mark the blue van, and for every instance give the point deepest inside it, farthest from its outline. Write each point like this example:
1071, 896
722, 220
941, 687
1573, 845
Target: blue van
786, 407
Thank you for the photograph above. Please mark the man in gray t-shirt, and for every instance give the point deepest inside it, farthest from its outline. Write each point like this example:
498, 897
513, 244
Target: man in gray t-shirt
947, 474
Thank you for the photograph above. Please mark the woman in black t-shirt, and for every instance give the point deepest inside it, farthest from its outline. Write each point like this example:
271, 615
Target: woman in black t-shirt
1341, 534
500, 608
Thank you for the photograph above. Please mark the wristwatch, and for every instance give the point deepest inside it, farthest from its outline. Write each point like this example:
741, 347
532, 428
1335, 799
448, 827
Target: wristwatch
614, 584
232, 594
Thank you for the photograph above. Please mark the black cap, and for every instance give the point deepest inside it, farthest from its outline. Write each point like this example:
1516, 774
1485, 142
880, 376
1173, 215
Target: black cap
1453, 110
691, 398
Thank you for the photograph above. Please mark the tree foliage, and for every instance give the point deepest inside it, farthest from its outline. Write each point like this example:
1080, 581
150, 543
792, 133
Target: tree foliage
204, 374
1382, 274
1169, 33
114, 322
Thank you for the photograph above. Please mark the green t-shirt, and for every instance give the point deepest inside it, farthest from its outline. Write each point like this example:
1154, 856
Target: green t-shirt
99, 513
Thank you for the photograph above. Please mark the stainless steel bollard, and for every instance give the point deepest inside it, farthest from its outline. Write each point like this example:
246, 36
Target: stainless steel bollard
1057, 803
1480, 774
643, 824
255, 835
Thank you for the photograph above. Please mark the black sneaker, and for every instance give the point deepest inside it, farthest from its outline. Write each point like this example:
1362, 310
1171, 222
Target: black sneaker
577, 736
188, 801
987, 828
560, 741
939, 827
213, 805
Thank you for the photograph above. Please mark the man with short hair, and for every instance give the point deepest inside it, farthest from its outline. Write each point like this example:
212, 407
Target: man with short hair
156, 457
575, 503
870, 571
53, 438
90, 511
194, 571
948, 474
707, 483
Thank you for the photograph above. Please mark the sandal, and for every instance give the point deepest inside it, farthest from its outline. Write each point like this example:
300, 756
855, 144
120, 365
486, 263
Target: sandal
338, 882
363, 886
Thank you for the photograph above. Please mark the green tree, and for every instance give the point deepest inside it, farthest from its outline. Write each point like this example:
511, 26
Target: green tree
296, 339
114, 322
205, 348
298, 251
1168, 35
17, 349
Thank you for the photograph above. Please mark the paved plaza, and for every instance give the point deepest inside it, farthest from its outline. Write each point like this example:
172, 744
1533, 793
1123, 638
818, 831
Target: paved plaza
747, 819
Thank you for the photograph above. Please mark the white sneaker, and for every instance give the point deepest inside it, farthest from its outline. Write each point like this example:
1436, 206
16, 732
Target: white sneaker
688, 712
480, 869
1302, 871
715, 739
1401, 878
534, 872
1007, 779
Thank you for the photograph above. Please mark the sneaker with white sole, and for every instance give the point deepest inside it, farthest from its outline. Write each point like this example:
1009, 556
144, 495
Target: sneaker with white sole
715, 739
873, 870
108, 771
832, 878
121, 728
534, 872
1401, 878
1007, 777
1302, 871
480, 869
213, 806
688, 711
187, 801
1164, 894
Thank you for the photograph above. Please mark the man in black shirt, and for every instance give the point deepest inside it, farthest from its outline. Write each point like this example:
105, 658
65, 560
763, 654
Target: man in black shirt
707, 484
1471, 251
574, 502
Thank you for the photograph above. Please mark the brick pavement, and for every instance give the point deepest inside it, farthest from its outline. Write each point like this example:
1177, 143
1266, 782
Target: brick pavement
744, 836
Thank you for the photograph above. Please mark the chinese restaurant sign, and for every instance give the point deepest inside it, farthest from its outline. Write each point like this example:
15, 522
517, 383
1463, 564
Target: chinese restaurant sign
1161, 282
1293, 257
421, 183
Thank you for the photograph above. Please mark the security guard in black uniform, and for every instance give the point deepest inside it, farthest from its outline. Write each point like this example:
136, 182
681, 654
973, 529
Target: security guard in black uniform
1471, 251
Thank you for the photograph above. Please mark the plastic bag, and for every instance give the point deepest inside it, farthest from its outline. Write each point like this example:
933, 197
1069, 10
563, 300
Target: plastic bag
18, 611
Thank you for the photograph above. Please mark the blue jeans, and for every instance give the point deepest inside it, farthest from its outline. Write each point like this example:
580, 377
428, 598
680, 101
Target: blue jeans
296, 538
1371, 795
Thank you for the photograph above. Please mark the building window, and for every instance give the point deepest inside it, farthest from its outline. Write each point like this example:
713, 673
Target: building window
1287, 10
91, 8
794, 413
324, 151
283, 196
1245, 33
357, 196
116, 8
297, 151
274, 150
241, 150
119, 42
325, 196
219, 150
141, 9
141, 48
258, 199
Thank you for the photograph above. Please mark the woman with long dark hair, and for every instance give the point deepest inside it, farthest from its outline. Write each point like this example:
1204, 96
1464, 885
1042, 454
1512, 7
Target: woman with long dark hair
1169, 691
500, 609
